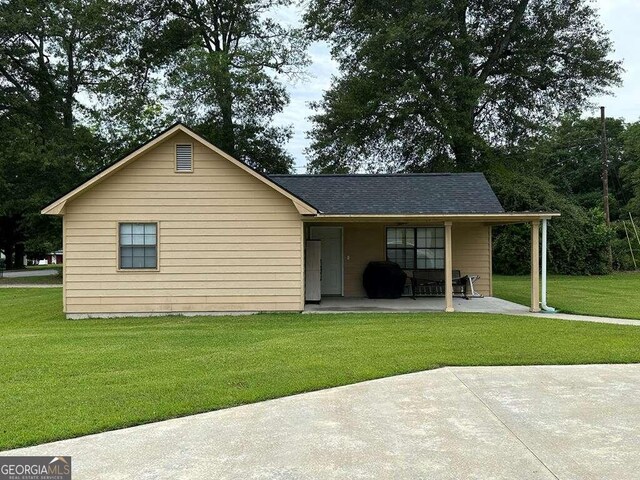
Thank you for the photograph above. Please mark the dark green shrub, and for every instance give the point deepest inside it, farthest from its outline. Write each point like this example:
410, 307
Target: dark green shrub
577, 241
622, 259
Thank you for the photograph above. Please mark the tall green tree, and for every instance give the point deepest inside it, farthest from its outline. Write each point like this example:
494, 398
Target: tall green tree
50, 53
630, 171
569, 155
224, 61
83, 80
561, 171
431, 84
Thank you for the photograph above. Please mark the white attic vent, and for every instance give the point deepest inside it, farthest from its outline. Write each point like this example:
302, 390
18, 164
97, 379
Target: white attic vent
184, 157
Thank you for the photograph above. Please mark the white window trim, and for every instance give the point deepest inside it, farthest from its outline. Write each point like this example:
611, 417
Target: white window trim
138, 270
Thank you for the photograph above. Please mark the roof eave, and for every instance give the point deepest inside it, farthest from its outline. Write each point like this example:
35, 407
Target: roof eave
495, 218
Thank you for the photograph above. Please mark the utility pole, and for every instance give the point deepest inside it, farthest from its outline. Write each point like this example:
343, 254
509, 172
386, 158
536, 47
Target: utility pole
605, 177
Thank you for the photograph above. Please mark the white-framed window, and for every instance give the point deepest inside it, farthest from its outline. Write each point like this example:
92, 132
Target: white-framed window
138, 246
416, 247
184, 157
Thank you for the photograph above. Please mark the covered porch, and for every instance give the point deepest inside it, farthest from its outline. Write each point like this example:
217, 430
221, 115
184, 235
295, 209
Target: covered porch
454, 244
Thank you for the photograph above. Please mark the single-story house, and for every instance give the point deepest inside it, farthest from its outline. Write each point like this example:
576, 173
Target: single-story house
179, 226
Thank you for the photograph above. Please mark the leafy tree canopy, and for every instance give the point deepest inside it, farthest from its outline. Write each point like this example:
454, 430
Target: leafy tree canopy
432, 85
49, 52
81, 81
223, 61
569, 155
630, 170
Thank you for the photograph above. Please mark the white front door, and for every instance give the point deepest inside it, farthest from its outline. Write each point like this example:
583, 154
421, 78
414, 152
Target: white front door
330, 258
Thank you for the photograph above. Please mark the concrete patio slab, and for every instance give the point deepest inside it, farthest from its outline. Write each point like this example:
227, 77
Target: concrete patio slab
567, 422
436, 304
419, 304
583, 318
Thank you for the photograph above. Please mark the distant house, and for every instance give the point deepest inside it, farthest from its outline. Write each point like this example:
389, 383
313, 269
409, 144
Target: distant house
180, 226
53, 258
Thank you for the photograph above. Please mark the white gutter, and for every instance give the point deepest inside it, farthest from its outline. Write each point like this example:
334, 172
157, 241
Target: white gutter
543, 303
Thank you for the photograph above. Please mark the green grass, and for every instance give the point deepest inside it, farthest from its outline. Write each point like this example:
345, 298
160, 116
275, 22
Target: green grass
64, 378
57, 266
616, 295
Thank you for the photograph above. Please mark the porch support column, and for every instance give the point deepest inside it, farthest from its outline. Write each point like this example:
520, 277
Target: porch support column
448, 268
535, 266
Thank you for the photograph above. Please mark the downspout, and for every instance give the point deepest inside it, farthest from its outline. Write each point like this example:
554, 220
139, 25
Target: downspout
543, 303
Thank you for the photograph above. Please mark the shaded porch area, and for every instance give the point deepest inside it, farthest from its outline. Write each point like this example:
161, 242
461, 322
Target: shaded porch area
420, 304
338, 250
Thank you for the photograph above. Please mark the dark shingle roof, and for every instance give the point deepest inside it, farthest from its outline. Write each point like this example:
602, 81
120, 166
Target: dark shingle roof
394, 193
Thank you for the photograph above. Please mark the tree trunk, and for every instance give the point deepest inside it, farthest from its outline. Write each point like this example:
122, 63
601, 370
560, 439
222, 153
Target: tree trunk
19, 256
8, 252
463, 139
228, 133
225, 102
67, 114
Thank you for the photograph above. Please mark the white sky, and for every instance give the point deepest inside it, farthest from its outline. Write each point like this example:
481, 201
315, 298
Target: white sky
620, 17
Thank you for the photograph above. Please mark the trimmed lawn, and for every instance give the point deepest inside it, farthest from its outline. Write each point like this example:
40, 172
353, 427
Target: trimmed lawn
616, 295
53, 266
65, 378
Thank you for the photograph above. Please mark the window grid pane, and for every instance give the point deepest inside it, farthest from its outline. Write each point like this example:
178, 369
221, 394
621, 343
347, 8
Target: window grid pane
419, 247
126, 239
410, 235
138, 245
391, 236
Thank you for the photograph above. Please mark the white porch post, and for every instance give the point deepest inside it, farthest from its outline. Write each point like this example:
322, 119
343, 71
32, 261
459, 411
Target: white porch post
535, 266
543, 283
448, 267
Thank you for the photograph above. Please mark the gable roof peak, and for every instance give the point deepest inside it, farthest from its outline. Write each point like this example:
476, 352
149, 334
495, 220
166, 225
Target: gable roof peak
57, 206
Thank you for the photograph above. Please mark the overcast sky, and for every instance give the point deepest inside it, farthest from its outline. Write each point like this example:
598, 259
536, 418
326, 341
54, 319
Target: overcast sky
620, 17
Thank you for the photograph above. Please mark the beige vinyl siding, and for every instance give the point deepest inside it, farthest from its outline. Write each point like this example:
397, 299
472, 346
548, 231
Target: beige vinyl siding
226, 240
365, 242
490, 260
64, 269
471, 245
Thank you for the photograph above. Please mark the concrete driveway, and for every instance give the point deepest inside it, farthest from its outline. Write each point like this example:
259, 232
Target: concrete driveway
29, 273
541, 422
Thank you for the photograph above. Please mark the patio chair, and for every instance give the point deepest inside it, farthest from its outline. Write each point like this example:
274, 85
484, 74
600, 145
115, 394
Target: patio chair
430, 283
